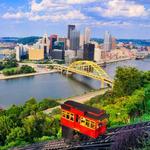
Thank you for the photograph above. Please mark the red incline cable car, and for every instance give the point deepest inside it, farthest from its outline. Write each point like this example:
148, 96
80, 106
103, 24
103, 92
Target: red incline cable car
86, 120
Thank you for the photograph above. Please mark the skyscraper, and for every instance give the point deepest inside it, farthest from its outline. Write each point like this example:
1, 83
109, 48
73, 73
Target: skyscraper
75, 40
87, 35
70, 28
107, 41
88, 53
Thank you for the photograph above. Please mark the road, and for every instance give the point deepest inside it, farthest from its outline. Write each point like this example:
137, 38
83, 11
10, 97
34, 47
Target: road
81, 98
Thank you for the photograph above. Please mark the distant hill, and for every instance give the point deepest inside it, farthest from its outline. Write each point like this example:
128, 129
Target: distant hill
24, 40
136, 42
9, 39
33, 39
28, 40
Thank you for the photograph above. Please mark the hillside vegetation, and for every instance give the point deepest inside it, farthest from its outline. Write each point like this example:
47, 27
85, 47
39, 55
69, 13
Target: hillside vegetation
128, 102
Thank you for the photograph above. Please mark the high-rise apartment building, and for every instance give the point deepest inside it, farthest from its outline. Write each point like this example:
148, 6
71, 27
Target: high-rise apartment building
21, 51
107, 41
88, 53
87, 35
70, 28
75, 40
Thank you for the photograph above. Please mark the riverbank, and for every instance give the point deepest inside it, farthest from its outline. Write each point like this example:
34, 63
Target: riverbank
81, 98
113, 61
2, 77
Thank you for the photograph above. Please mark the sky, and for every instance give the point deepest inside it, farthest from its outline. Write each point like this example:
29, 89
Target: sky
126, 19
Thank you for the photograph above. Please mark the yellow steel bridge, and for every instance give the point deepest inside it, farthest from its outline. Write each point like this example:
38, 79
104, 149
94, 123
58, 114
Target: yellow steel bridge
88, 69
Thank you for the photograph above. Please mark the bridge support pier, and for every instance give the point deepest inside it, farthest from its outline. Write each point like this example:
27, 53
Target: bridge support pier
102, 84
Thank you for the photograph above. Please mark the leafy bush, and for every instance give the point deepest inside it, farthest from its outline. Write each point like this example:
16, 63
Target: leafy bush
22, 70
47, 103
26, 69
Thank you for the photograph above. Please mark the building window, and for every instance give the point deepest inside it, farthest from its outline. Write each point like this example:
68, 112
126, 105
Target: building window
45, 40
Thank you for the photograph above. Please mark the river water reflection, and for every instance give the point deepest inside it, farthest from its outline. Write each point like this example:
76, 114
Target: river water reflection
17, 91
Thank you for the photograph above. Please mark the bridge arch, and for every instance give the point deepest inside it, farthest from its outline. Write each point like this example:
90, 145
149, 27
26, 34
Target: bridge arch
89, 69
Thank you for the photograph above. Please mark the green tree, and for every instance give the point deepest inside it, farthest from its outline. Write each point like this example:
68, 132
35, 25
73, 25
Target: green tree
5, 126
37, 125
47, 103
9, 63
26, 69
29, 108
16, 134
127, 80
14, 114
1, 66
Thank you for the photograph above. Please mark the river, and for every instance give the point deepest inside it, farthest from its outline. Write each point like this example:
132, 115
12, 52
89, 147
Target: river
17, 91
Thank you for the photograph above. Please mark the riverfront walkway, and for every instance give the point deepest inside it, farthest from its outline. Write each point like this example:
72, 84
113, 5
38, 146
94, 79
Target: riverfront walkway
81, 98
3, 77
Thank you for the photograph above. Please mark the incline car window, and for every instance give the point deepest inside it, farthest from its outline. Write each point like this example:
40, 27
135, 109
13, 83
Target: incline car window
87, 123
68, 115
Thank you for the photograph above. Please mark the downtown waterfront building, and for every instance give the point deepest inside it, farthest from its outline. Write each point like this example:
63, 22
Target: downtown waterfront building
36, 54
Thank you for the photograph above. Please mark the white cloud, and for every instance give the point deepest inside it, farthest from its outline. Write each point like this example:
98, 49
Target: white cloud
64, 10
124, 8
70, 15
80, 1
18, 15
46, 5
52, 10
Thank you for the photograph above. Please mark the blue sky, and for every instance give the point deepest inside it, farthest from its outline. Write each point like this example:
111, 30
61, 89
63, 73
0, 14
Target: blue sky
123, 18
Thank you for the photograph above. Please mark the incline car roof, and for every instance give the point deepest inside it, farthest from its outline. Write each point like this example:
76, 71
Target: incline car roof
90, 111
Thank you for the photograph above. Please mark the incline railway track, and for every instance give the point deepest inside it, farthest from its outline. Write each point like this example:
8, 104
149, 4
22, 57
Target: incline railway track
102, 143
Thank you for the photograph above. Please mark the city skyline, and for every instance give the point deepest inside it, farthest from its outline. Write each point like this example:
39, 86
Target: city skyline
123, 18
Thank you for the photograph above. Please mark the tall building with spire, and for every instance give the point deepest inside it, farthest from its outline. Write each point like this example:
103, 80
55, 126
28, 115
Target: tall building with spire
107, 41
87, 35
44, 44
